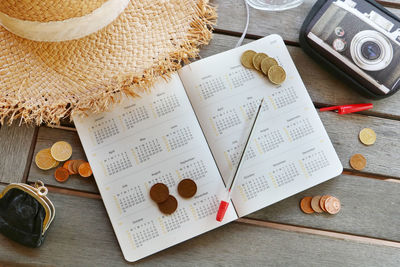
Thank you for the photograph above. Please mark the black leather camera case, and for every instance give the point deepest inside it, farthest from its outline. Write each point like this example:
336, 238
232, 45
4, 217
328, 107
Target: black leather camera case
359, 40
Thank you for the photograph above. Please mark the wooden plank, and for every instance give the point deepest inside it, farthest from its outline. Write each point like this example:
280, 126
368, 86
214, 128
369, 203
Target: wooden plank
381, 157
369, 208
232, 18
323, 87
81, 235
15, 151
46, 138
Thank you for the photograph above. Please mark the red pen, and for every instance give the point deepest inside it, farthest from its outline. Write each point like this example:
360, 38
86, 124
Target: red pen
345, 109
223, 206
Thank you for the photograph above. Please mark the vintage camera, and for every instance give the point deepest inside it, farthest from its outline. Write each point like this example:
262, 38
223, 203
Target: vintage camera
360, 41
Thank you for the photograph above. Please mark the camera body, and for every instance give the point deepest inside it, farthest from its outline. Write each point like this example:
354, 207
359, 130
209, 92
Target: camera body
361, 41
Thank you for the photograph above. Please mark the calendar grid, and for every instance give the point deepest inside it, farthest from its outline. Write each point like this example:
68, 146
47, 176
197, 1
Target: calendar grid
253, 186
129, 197
315, 162
195, 170
211, 87
225, 120
103, 130
206, 206
165, 105
146, 150
116, 163
175, 220
143, 233
178, 138
134, 116
284, 174
240, 77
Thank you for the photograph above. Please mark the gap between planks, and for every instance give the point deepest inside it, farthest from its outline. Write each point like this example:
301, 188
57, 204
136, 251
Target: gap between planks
326, 233
30, 155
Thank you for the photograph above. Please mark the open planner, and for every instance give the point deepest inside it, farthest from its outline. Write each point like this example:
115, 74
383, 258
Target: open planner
194, 126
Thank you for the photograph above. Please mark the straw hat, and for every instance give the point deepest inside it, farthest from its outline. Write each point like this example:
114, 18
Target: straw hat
58, 57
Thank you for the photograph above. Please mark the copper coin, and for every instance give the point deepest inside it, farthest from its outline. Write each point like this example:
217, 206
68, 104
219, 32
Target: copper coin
159, 192
315, 204
71, 166
305, 205
322, 202
187, 188
61, 174
169, 206
332, 205
76, 164
358, 162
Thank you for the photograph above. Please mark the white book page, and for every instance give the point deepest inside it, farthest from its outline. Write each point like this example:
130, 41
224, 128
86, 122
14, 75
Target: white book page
290, 150
147, 140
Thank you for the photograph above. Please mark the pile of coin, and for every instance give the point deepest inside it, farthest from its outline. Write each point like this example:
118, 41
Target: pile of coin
60, 151
367, 136
320, 204
265, 64
167, 203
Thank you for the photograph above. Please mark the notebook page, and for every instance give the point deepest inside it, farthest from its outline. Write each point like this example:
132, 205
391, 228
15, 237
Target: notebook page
290, 150
143, 141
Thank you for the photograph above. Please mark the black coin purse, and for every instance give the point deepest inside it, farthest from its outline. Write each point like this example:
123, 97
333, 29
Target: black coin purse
25, 213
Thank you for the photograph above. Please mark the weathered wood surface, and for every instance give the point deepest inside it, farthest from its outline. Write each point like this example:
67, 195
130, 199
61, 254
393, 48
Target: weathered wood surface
82, 236
232, 18
323, 87
369, 208
15, 148
45, 139
382, 157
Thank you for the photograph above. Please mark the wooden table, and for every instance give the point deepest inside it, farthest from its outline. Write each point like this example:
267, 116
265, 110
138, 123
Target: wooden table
366, 231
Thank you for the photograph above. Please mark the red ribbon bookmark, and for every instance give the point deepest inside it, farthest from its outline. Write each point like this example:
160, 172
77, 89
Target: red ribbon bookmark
345, 109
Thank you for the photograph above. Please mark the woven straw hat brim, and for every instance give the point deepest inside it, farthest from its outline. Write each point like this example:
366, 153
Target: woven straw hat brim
43, 82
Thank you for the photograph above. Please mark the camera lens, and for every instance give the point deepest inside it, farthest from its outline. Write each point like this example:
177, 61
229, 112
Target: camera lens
370, 50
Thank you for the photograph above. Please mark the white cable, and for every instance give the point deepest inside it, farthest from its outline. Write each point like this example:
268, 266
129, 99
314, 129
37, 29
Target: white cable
239, 43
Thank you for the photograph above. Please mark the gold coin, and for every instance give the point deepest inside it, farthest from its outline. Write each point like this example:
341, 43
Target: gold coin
61, 151
367, 136
276, 74
257, 60
315, 204
44, 160
358, 162
55, 164
247, 59
267, 63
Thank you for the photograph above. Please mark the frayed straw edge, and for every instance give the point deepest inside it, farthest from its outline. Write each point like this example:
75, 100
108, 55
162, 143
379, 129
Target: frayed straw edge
199, 33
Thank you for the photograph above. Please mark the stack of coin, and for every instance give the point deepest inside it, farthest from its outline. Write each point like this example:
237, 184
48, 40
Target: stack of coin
320, 204
167, 203
49, 158
367, 136
265, 64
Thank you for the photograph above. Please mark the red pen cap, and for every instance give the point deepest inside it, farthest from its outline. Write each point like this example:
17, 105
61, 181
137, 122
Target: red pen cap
345, 109
223, 206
